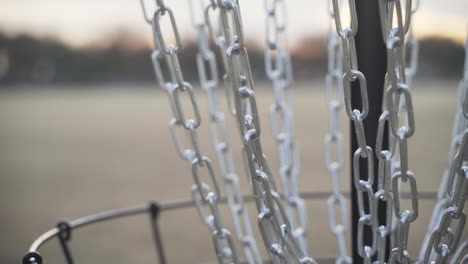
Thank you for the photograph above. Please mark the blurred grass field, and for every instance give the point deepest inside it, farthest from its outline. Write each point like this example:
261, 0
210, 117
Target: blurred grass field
67, 153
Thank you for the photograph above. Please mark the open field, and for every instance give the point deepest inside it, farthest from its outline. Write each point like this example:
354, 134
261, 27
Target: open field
66, 153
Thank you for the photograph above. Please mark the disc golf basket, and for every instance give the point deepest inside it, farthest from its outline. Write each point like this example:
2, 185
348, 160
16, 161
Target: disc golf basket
369, 74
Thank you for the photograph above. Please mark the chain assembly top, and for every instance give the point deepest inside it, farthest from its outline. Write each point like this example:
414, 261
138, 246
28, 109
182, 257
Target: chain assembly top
166, 55
284, 228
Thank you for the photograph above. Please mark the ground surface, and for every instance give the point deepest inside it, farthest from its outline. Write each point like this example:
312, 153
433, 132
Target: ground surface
72, 152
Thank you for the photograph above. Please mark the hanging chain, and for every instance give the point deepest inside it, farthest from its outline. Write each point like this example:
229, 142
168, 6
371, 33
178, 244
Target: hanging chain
367, 210
334, 143
284, 228
209, 82
396, 23
444, 238
442, 241
175, 86
274, 225
461, 255
279, 71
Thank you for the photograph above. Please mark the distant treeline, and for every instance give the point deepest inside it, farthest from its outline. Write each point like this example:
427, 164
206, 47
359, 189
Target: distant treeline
27, 59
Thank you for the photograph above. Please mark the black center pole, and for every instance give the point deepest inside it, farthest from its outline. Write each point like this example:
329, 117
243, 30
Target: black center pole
372, 62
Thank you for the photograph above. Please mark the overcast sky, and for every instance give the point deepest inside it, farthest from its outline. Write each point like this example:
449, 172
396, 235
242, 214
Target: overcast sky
80, 21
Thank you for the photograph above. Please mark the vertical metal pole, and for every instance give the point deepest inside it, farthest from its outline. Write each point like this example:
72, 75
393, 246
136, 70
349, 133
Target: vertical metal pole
154, 211
372, 61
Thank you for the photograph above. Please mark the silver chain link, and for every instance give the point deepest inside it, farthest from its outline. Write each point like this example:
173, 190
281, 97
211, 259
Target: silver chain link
166, 55
398, 112
284, 227
334, 144
274, 225
351, 74
209, 82
279, 71
442, 241
461, 256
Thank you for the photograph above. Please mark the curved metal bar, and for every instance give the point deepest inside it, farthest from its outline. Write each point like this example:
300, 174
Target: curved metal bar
142, 209
88, 220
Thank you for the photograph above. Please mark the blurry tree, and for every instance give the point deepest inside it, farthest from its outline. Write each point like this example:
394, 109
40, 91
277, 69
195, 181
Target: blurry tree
124, 56
440, 58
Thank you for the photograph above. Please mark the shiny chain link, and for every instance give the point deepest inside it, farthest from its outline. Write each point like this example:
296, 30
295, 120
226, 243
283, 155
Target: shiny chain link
442, 241
334, 144
398, 112
175, 86
279, 71
461, 256
367, 210
283, 228
209, 82
274, 225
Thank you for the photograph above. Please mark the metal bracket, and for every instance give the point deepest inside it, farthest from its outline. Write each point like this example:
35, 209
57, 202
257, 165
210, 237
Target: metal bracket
64, 235
154, 210
32, 257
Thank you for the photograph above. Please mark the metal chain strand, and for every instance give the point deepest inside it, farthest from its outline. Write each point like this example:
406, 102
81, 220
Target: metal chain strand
363, 186
461, 256
284, 227
175, 86
279, 71
398, 113
339, 225
274, 225
209, 82
394, 160
441, 241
